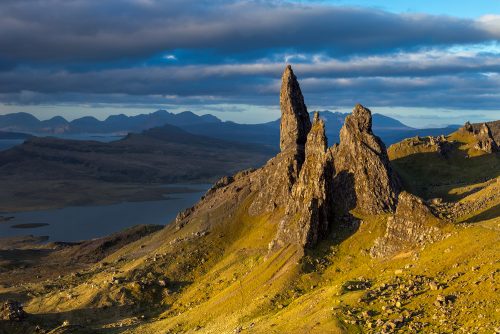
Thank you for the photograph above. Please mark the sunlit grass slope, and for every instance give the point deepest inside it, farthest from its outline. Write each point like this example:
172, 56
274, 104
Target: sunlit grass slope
429, 174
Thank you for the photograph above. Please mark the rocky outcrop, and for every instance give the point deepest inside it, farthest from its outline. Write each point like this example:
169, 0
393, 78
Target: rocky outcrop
309, 180
273, 183
486, 140
295, 122
308, 210
364, 178
411, 226
12, 311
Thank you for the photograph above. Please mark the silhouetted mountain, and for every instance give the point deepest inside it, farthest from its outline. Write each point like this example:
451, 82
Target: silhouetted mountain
24, 122
389, 129
164, 154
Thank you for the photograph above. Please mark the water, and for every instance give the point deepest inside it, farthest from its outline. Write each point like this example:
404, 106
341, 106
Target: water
87, 222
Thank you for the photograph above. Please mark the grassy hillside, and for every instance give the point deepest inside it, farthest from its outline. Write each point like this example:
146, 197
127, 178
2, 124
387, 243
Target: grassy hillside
215, 275
429, 173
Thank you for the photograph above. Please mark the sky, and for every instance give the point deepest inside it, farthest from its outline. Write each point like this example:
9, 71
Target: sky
426, 63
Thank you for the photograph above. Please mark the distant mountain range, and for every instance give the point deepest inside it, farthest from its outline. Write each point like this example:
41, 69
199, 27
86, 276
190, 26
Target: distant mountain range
25, 122
389, 129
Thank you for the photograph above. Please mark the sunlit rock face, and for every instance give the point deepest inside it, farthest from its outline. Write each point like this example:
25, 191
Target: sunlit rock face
308, 211
311, 181
412, 225
485, 140
295, 122
364, 178
273, 183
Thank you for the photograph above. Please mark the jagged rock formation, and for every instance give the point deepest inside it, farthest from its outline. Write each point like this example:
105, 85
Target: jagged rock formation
308, 180
273, 183
308, 211
412, 225
485, 139
295, 122
364, 178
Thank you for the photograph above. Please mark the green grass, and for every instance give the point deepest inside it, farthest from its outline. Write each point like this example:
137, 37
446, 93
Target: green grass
428, 174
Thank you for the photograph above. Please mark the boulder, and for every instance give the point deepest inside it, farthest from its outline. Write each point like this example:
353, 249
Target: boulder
411, 226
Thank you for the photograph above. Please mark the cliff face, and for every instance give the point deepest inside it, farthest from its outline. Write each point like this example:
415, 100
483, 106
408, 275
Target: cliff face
413, 224
364, 178
487, 135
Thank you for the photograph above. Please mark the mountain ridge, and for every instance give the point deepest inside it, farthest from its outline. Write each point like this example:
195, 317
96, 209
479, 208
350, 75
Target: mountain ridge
389, 129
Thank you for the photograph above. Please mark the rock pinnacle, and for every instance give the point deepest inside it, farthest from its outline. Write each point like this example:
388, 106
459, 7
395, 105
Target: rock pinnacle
295, 122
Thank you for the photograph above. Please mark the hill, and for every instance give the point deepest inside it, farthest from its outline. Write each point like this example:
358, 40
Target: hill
76, 169
320, 239
13, 135
434, 166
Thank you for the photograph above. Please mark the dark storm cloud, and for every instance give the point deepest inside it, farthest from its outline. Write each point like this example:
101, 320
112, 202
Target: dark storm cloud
134, 86
51, 30
207, 52
254, 79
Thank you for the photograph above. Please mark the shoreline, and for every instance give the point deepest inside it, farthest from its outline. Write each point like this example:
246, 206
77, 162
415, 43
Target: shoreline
93, 194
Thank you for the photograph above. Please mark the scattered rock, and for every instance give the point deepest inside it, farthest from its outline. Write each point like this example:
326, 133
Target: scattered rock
12, 310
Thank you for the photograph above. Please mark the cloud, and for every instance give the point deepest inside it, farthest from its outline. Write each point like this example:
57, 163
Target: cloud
90, 30
170, 57
221, 52
206, 85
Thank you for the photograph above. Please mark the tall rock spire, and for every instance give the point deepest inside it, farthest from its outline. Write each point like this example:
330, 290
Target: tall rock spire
295, 122
273, 183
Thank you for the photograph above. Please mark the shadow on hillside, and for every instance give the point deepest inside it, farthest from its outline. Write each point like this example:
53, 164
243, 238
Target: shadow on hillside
82, 320
493, 212
345, 200
344, 224
431, 175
